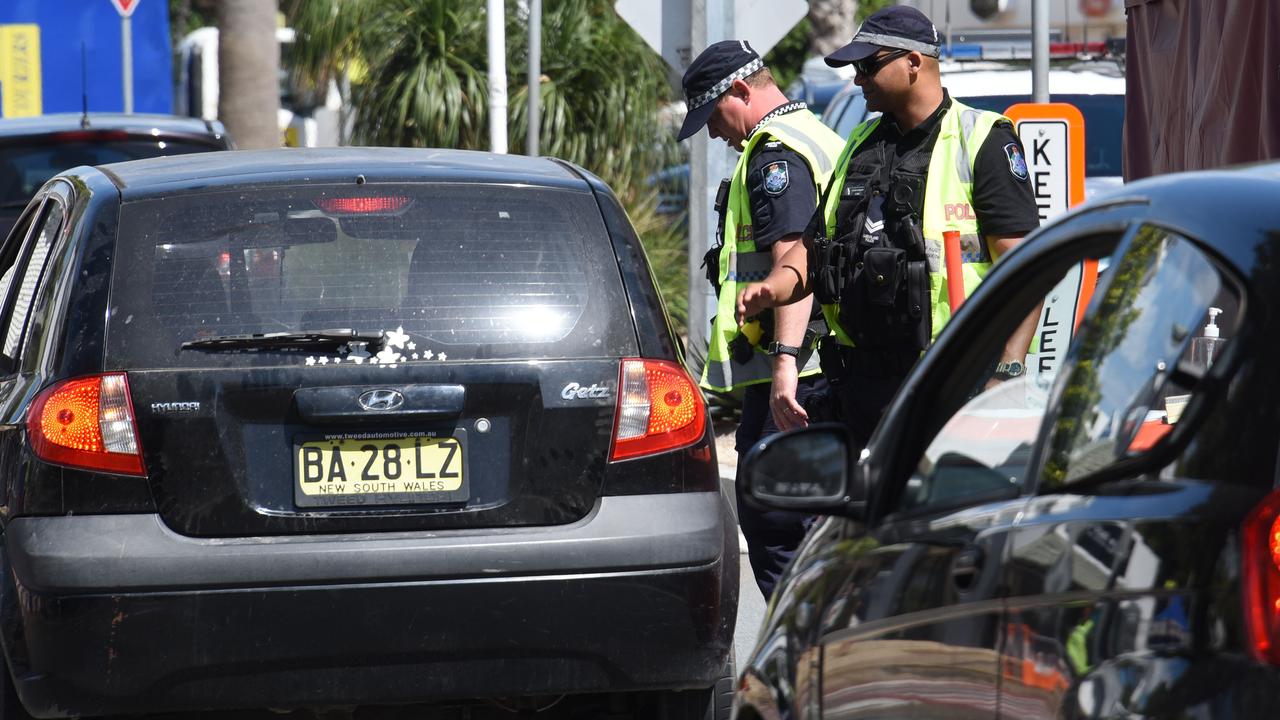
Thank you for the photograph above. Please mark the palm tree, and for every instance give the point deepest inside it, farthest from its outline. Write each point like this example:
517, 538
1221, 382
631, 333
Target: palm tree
248, 62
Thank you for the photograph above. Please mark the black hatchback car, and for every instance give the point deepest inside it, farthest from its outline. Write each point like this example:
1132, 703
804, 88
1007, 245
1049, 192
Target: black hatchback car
326, 428
1098, 538
34, 149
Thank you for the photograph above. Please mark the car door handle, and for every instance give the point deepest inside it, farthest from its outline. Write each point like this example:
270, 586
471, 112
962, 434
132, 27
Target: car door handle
965, 566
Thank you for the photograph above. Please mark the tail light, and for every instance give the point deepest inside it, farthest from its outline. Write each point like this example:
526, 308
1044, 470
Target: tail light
1260, 579
659, 409
87, 423
364, 205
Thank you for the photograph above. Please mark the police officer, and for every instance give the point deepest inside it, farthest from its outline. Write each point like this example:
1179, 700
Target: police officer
873, 255
787, 159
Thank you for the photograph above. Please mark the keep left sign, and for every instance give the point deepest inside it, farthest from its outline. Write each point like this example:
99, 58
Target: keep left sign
1052, 137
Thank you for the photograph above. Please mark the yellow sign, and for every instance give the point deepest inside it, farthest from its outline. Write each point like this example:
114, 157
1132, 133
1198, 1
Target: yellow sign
20, 89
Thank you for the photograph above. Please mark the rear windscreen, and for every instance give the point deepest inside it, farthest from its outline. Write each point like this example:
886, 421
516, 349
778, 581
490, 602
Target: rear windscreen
443, 272
24, 168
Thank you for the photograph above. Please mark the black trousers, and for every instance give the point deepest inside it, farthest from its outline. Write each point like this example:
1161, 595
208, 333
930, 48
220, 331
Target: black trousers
772, 535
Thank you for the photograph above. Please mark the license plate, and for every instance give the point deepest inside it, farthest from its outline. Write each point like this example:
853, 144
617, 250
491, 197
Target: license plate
376, 470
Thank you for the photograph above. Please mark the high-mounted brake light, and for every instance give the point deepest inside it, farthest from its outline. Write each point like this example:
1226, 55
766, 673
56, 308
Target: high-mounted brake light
90, 136
1260, 579
87, 423
659, 409
366, 205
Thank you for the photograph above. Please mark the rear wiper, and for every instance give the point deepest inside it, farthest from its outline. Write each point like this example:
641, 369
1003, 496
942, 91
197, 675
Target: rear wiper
313, 339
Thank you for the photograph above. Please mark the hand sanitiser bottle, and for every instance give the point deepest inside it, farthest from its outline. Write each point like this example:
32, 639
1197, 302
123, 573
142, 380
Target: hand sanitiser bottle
1205, 349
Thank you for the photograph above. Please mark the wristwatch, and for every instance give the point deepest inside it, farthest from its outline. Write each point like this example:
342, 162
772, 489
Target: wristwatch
776, 348
1009, 370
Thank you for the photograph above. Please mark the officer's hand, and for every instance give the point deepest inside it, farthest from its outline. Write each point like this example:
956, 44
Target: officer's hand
787, 413
752, 299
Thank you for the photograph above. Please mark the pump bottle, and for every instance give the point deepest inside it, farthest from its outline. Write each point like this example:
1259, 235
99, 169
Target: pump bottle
1205, 349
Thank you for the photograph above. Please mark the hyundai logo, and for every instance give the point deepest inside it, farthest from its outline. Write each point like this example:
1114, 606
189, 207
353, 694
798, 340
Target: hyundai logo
381, 400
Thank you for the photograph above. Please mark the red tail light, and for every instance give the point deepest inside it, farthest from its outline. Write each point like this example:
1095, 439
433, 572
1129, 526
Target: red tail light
87, 423
1260, 579
659, 409
367, 205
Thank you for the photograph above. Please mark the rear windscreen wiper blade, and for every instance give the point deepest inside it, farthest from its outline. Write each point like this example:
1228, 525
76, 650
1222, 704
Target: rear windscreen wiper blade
312, 339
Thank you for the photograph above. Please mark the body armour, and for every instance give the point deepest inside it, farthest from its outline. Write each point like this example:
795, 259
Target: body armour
735, 357
876, 263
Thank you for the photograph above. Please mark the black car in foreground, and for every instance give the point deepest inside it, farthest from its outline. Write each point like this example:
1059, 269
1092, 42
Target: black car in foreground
327, 428
1098, 538
34, 149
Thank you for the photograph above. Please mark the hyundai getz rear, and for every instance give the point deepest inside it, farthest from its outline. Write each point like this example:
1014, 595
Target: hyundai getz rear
339, 427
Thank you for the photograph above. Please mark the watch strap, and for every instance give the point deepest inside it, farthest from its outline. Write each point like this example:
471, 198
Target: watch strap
777, 348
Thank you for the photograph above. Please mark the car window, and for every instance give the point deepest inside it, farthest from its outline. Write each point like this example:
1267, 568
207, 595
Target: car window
25, 167
456, 272
1103, 126
846, 113
12, 250
46, 231
985, 446
1133, 368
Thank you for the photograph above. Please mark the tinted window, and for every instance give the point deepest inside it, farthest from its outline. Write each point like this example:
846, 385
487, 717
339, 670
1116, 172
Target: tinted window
46, 233
24, 168
1103, 126
844, 114
465, 271
1126, 379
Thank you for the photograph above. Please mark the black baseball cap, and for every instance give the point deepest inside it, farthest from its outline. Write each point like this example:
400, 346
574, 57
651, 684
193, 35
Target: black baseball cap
897, 26
710, 75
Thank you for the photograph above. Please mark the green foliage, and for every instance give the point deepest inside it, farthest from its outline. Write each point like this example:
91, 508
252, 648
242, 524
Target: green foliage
786, 59
419, 79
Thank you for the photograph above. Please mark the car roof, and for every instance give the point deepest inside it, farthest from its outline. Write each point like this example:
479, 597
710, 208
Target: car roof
136, 123
971, 79
140, 178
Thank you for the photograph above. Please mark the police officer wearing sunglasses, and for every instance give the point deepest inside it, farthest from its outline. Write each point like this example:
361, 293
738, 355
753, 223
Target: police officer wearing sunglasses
873, 255
787, 159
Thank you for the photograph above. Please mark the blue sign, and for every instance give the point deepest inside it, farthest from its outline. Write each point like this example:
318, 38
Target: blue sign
41, 70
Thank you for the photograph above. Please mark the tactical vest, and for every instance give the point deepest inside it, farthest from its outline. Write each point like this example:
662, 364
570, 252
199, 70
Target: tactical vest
881, 277
735, 357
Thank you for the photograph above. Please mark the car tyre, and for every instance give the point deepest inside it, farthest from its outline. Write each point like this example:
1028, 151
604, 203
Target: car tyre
10, 706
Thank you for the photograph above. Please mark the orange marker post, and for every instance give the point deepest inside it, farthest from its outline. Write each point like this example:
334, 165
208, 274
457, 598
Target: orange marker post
955, 276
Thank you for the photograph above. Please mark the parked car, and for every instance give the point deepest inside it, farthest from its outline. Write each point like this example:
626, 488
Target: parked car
316, 428
34, 149
1094, 542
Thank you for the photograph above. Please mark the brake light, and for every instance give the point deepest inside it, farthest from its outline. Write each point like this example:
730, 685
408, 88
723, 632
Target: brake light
659, 409
86, 423
1260, 579
367, 205
70, 136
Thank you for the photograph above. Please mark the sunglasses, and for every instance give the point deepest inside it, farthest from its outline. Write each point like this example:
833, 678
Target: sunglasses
868, 67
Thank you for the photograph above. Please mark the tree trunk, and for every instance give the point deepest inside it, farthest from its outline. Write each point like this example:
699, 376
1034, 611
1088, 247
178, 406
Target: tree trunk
248, 68
831, 24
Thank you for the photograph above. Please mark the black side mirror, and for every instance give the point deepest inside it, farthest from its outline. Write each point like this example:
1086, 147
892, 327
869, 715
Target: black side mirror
812, 470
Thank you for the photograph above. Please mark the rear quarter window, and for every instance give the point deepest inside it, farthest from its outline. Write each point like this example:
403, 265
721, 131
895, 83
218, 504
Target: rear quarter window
451, 272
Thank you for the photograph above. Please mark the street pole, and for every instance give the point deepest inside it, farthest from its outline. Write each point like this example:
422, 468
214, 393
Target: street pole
535, 77
497, 76
126, 48
709, 161
1040, 51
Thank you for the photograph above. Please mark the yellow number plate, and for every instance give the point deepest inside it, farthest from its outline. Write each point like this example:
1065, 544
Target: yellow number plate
367, 470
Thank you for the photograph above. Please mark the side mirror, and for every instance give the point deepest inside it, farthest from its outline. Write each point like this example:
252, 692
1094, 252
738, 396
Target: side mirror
810, 470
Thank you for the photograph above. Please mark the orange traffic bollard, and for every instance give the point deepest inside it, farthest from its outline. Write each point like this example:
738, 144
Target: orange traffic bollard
955, 276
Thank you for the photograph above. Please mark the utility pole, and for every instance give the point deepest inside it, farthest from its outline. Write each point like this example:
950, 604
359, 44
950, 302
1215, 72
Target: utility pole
535, 77
1040, 51
497, 76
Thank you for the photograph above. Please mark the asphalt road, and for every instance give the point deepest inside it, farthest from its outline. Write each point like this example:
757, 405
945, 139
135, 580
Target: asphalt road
751, 603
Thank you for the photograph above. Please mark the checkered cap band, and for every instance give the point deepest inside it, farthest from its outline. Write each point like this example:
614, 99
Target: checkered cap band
719, 88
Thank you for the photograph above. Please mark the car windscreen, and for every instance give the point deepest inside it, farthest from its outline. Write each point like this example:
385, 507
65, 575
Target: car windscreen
439, 271
1103, 126
26, 166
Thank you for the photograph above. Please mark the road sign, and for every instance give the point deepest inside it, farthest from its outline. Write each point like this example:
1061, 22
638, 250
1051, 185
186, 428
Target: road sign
665, 24
125, 7
1053, 141
1052, 137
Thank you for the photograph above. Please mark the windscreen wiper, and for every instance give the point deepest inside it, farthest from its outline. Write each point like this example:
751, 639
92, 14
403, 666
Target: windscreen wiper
305, 340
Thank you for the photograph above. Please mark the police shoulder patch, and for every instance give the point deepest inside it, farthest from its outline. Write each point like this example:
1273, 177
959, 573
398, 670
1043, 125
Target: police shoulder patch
1017, 163
776, 177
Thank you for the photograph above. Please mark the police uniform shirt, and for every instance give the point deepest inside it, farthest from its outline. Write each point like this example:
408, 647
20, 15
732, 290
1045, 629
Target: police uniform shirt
780, 190
1003, 200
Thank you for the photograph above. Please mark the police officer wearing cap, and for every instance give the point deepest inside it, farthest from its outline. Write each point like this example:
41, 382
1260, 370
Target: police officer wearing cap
787, 159
874, 254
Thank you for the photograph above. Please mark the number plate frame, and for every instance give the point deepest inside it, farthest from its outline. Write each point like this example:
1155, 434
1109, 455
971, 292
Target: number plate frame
382, 491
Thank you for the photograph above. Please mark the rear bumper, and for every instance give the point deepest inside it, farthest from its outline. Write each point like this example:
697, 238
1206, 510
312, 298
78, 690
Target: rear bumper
104, 614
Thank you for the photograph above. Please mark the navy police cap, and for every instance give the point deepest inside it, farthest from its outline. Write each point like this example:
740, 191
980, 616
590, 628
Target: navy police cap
898, 26
710, 75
